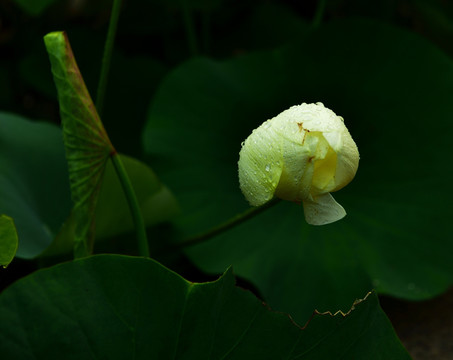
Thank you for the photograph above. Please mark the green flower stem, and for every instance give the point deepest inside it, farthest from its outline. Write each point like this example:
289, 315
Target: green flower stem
227, 225
102, 86
319, 13
137, 217
190, 28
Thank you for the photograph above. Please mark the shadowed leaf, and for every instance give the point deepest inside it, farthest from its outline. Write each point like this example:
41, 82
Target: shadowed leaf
118, 307
112, 213
34, 186
87, 144
156, 201
8, 240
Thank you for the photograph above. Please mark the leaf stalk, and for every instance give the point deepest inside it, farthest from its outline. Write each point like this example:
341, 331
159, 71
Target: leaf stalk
229, 224
134, 206
319, 14
190, 28
106, 58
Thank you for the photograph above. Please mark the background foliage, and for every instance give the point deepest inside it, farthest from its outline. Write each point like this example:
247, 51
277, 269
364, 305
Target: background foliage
189, 81
374, 86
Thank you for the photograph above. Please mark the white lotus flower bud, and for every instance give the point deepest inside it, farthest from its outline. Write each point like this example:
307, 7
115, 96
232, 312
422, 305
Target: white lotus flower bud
302, 155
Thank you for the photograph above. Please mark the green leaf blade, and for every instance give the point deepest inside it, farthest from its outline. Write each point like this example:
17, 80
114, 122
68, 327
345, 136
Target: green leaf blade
87, 144
122, 307
8, 240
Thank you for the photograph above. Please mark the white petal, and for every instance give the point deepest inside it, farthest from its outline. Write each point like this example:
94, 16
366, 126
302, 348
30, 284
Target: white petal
324, 210
260, 165
296, 178
347, 162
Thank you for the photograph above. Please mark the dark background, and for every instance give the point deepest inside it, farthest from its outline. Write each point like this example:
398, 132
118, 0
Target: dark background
152, 39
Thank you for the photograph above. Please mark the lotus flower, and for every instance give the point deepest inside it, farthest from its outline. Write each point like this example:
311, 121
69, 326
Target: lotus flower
301, 155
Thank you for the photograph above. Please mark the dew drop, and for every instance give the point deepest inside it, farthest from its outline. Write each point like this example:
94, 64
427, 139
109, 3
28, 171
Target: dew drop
267, 168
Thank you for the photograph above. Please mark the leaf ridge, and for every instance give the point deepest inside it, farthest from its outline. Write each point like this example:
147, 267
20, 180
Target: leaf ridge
190, 287
242, 336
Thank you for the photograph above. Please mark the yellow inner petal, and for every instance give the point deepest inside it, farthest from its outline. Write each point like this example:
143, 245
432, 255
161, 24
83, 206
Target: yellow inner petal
324, 172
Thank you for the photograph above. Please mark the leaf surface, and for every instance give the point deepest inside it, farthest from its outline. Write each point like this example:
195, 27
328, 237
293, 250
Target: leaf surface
34, 187
8, 240
394, 90
119, 307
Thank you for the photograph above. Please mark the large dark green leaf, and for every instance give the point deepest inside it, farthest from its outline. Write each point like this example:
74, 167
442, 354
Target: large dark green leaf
87, 144
118, 307
8, 240
34, 187
394, 90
